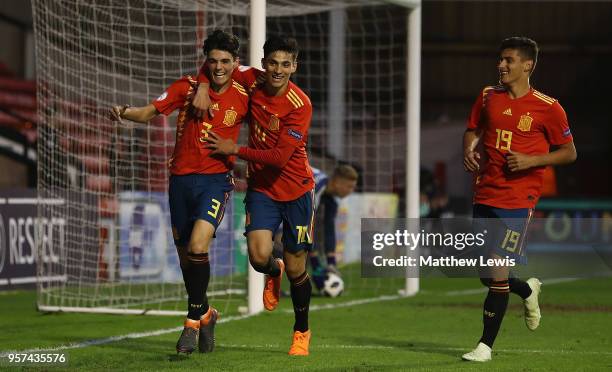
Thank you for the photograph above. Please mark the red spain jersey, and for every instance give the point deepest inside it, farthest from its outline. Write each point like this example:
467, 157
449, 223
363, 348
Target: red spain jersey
190, 155
527, 125
278, 133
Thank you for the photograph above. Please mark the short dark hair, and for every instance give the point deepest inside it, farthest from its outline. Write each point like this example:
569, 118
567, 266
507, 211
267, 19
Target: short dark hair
222, 40
276, 43
527, 48
346, 171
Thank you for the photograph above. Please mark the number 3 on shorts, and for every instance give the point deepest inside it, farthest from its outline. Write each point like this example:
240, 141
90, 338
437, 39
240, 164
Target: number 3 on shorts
215, 208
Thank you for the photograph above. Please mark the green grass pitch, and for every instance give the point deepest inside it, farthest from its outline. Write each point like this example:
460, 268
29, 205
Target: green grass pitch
427, 332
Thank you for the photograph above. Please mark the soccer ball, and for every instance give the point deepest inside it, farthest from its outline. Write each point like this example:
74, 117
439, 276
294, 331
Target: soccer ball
333, 285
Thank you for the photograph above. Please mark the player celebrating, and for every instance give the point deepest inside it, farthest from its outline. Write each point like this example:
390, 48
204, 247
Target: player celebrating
327, 190
280, 179
200, 182
517, 125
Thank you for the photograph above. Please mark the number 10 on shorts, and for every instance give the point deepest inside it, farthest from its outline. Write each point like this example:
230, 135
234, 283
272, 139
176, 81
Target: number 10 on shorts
302, 236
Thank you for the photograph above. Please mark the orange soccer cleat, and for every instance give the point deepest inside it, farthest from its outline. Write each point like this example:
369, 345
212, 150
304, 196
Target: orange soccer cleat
301, 341
271, 293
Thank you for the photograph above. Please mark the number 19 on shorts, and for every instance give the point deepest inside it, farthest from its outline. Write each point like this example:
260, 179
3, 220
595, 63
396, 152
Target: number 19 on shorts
511, 241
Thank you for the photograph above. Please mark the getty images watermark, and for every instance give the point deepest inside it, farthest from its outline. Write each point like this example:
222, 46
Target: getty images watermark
466, 247
411, 241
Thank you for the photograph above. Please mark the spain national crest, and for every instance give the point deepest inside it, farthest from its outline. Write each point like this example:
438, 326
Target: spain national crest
230, 117
525, 123
274, 123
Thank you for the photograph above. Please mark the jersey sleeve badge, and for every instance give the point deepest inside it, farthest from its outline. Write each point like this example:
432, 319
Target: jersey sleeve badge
162, 97
295, 134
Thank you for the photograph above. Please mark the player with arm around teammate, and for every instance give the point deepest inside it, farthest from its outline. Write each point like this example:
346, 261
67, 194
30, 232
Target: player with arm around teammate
279, 178
200, 181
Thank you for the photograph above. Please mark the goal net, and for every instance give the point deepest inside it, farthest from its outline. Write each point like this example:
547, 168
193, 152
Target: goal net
111, 180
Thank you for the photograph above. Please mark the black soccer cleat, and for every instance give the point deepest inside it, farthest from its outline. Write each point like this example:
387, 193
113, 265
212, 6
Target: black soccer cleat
189, 337
206, 342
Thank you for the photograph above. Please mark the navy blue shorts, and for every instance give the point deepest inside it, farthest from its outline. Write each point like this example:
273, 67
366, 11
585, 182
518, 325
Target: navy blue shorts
197, 197
506, 230
297, 217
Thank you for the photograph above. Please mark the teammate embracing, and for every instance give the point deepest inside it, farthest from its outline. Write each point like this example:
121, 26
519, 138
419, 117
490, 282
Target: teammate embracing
279, 177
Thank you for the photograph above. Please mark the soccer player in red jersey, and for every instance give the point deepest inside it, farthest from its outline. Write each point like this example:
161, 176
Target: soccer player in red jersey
200, 181
516, 125
280, 179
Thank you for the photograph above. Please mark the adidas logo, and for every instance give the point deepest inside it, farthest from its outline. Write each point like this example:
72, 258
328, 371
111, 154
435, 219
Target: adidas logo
508, 112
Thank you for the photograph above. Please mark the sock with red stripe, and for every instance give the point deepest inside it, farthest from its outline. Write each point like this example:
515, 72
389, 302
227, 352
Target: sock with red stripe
301, 290
494, 310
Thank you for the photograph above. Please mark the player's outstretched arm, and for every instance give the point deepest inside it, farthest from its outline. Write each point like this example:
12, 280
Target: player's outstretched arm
471, 138
565, 154
137, 114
